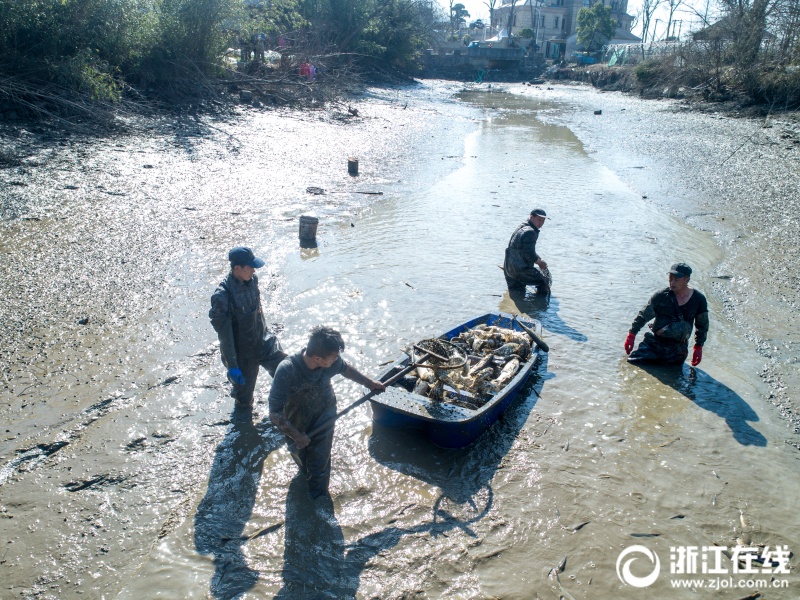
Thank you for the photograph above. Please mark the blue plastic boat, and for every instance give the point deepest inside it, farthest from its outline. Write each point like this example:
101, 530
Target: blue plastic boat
449, 425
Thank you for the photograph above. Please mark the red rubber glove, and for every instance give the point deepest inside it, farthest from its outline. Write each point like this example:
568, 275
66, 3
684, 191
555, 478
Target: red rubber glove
629, 343
697, 356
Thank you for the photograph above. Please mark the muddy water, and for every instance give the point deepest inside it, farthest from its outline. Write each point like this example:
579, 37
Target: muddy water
135, 484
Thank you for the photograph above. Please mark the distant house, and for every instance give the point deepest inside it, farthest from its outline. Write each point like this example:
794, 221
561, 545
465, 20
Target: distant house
557, 22
726, 29
721, 30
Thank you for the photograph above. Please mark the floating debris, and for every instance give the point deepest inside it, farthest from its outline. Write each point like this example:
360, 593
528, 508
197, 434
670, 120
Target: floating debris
561, 566
258, 533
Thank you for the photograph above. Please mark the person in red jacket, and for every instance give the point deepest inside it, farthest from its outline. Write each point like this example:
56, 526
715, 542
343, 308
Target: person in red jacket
675, 311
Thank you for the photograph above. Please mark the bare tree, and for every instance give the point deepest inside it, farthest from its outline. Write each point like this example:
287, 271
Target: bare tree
491, 4
649, 8
786, 24
744, 47
746, 21
635, 20
673, 6
511, 16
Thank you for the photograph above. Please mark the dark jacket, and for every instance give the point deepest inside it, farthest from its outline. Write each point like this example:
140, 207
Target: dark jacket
237, 318
663, 307
303, 394
521, 251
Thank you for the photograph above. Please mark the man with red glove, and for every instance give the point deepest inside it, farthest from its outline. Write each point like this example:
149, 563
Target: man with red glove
675, 310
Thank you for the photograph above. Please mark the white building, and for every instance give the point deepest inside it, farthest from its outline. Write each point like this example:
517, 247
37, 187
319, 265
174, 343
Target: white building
557, 22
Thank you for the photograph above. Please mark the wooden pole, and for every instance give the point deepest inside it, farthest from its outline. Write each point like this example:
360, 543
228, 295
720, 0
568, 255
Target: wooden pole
539, 341
360, 401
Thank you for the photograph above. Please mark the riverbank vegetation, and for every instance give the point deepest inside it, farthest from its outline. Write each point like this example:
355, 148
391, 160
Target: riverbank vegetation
595, 26
87, 58
752, 52
748, 56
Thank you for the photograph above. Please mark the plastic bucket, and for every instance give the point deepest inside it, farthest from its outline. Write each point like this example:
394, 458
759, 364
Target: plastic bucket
352, 166
308, 227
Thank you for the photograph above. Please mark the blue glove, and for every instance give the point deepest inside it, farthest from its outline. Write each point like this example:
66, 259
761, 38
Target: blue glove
235, 375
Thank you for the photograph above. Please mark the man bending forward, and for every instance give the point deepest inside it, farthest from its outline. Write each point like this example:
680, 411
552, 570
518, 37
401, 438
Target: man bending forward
302, 398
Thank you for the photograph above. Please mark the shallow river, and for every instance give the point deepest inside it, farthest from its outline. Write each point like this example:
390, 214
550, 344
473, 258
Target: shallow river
136, 484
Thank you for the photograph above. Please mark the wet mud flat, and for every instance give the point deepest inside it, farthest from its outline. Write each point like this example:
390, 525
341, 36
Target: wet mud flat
736, 178
111, 247
123, 476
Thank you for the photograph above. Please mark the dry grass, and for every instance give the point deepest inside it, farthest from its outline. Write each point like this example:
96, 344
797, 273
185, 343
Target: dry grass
191, 89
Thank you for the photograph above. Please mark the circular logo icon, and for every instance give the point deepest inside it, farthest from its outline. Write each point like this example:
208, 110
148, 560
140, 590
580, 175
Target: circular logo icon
627, 577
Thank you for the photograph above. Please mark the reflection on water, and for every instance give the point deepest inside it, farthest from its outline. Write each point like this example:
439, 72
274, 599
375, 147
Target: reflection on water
309, 249
315, 561
227, 506
318, 563
544, 308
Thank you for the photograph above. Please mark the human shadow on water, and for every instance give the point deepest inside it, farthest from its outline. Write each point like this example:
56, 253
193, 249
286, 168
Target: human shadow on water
225, 510
317, 561
543, 307
711, 395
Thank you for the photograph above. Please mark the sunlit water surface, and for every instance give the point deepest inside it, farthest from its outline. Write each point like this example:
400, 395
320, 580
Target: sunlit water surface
593, 440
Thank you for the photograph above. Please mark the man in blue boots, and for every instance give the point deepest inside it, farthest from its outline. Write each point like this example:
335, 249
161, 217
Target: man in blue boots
245, 344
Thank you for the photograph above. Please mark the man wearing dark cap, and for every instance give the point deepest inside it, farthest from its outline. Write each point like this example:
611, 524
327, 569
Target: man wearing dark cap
236, 315
521, 257
675, 310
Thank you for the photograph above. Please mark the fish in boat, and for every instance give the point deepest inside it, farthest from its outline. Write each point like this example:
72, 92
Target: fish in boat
455, 406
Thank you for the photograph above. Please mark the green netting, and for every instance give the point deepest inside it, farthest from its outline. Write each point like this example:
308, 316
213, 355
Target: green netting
630, 54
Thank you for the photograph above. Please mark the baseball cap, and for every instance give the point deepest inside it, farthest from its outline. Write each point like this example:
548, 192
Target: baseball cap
244, 256
538, 212
680, 270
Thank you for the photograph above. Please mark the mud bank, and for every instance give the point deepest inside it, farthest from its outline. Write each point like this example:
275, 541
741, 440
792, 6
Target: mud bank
702, 98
